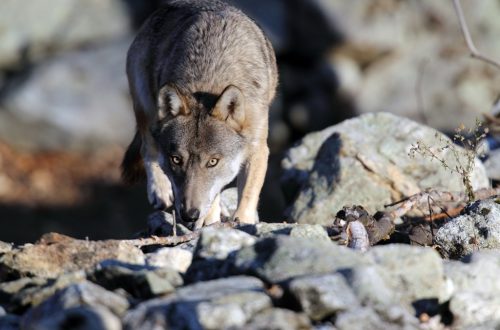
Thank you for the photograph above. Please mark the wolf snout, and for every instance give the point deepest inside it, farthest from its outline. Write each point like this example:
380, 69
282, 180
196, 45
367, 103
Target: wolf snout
190, 215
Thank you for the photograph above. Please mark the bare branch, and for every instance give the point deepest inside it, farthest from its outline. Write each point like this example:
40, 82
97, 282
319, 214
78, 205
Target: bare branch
468, 39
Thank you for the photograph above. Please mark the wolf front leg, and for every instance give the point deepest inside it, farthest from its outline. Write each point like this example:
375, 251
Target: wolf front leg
160, 193
250, 181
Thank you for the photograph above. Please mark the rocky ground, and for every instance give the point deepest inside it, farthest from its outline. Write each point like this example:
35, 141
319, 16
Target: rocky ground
415, 263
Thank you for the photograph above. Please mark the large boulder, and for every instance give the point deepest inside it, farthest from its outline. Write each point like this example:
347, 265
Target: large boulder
365, 161
410, 58
76, 100
57, 254
66, 24
478, 228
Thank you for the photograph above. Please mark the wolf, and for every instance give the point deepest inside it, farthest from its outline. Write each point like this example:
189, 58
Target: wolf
202, 76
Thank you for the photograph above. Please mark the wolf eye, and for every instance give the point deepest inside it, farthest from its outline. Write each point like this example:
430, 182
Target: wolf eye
212, 162
175, 160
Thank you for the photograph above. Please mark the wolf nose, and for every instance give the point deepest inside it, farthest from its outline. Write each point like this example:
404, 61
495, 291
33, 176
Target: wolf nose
192, 215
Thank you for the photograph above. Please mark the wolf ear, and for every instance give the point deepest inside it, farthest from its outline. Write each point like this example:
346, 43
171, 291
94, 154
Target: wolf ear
230, 107
170, 103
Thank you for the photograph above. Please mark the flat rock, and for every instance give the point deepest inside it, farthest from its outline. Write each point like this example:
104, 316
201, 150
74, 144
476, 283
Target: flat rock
492, 165
416, 273
77, 100
56, 254
475, 289
29, 39
5, 247
279, 319
83, 317
365, 161
282, 258
203, 305
323, 295
77, 295
35, 293
478, 228
218, 243
140, 281
366, 318
172, 257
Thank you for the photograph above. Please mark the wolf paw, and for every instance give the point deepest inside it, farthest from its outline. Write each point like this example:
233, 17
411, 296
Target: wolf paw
246, 217
160, 193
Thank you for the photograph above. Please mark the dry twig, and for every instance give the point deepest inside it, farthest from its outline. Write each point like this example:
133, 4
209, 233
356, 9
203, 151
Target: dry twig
175, 240
468, 39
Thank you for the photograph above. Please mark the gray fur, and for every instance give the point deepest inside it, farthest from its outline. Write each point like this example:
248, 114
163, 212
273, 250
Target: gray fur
202, 75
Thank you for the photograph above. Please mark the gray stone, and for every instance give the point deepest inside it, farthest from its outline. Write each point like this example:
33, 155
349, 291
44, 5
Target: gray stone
160, 224
78, 100
406, 51
323, 295
218, 243
478, 228
279, 319
5, 247
66, 24
492, 165
82, 318
33, 295
140, 281
416, 273
314, 232
175, 257
9, 322
264, 229
365, 161
470, 308
475, 289
9, 289
77, 295
366, 318
56, 254
202, 305
282, 258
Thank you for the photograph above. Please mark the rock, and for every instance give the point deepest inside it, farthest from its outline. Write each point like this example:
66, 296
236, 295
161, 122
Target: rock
315, 232
9, 289
475, 289
264, 229
218, 243
416, 273
176, 258
9, 322
279, 319
405, 48
33, 295
218, 304
140, 281
85, 318
56, 254
492, 165
323, 295
365, 161
282, 258
77, 101
29, 39
478, 228
84, 294
366, 318
160, 224
5, 247
474, 309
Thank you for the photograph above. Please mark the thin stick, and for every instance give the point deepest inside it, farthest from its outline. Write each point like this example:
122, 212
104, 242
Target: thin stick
468, 39
176, 240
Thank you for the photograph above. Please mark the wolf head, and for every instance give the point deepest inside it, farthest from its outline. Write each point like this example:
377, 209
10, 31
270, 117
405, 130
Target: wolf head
201, 148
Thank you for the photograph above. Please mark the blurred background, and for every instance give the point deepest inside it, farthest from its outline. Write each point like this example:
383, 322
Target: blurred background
66, 115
